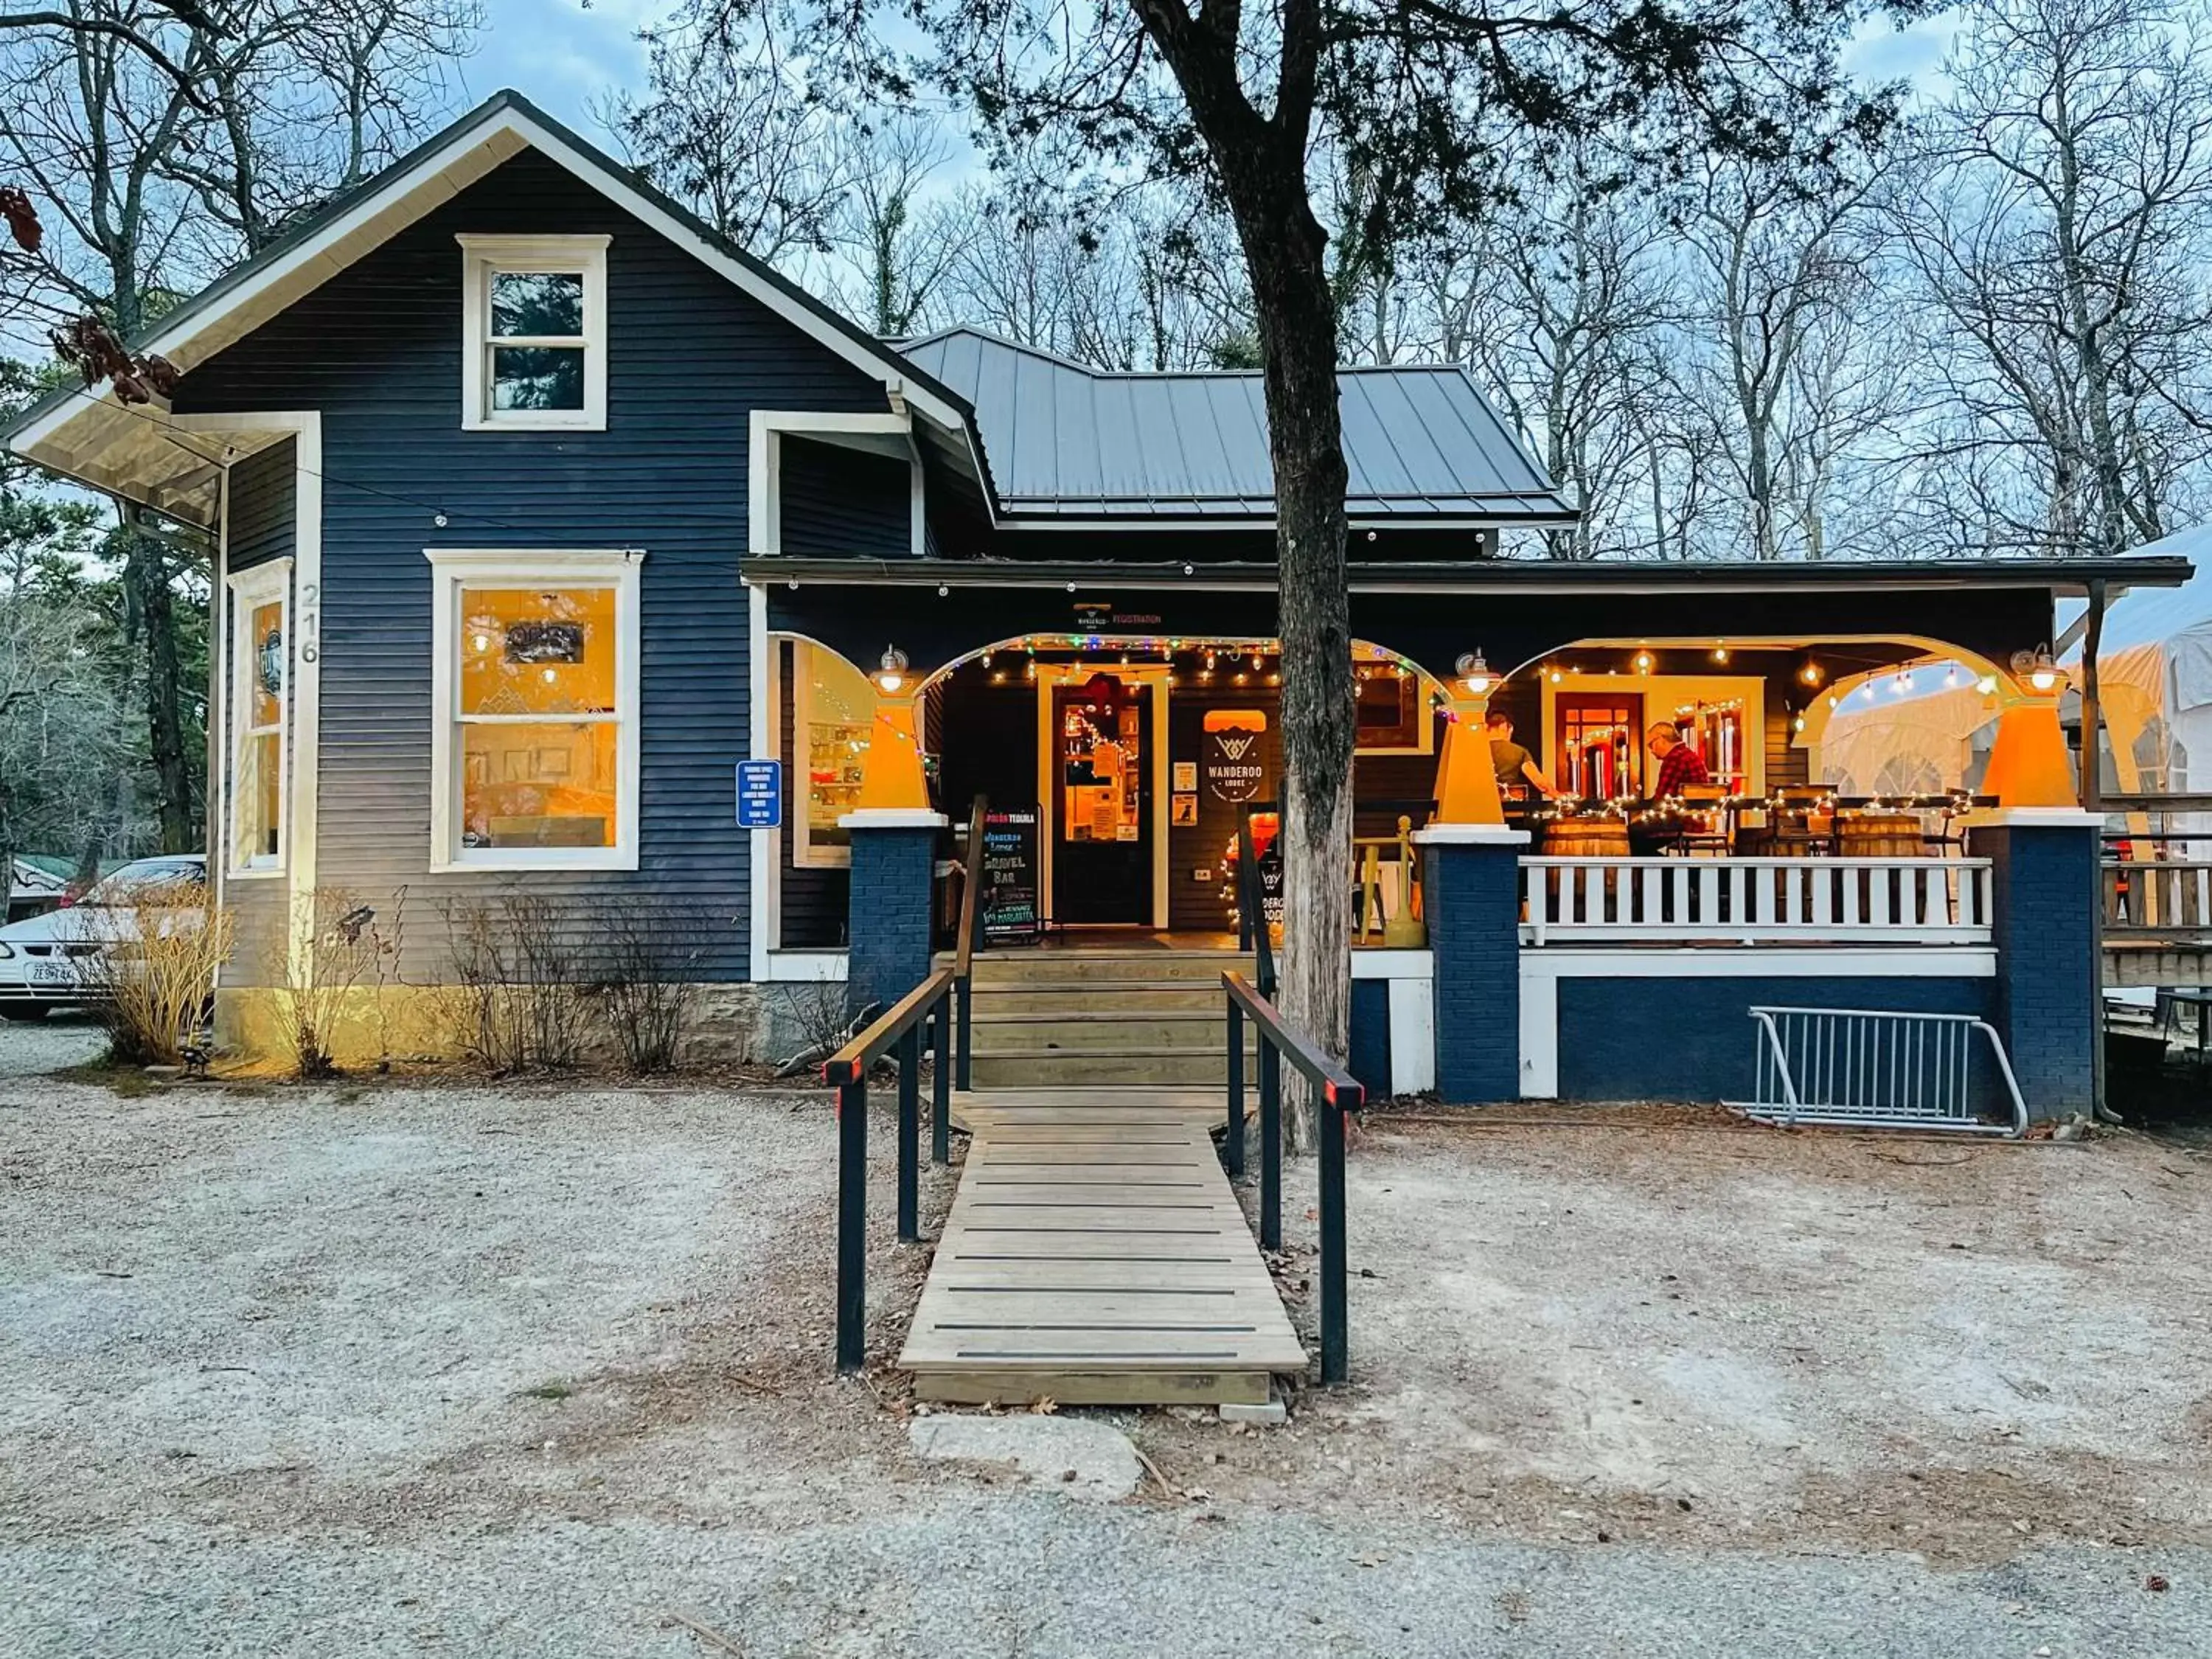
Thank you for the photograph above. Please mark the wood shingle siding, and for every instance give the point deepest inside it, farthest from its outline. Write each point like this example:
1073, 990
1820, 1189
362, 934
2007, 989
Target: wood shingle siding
377, 351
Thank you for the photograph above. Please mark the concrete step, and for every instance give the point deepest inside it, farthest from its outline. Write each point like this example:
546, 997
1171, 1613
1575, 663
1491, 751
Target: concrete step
1063, 1069
1138, 996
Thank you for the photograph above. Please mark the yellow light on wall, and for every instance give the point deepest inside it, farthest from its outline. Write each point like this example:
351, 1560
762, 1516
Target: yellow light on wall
1474, 674
892, 675
2037, 667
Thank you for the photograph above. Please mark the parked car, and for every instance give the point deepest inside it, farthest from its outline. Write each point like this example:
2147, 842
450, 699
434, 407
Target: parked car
41, 957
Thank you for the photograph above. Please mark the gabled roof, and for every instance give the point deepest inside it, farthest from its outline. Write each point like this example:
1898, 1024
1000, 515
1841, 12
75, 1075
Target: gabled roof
1065, 441
89, 435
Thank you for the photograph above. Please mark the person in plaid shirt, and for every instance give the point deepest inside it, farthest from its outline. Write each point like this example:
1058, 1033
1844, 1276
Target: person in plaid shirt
1679, 765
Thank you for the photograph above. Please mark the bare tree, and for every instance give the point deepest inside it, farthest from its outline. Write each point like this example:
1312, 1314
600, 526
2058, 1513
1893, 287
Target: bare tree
2056, 219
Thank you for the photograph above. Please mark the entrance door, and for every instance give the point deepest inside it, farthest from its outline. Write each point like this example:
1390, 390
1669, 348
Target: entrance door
1102, 802
1599, 741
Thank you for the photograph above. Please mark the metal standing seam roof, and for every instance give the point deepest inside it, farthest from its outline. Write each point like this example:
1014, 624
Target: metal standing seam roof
1064, 439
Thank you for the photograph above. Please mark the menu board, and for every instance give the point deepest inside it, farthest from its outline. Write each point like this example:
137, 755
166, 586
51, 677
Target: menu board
1007, 905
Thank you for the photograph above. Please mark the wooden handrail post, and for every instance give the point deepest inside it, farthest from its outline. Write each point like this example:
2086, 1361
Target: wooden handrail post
852, 1222
963, 995
1336, 1320
940, 1100
1271, 1145
909, 1136
1232, 1145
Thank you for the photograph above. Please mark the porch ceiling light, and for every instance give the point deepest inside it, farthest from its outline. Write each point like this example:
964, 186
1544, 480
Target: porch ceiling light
892, 675
2036, 667
1475, 674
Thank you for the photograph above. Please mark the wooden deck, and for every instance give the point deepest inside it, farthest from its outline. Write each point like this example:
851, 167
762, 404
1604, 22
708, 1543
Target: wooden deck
1095, 1254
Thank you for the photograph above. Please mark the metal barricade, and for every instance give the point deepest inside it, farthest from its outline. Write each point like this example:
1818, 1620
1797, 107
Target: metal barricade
1876, 1069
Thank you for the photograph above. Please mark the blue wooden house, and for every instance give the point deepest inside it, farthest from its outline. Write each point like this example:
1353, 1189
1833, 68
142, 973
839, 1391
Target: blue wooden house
540, 508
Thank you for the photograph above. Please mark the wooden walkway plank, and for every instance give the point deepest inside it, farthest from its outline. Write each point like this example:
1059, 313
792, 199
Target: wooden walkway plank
1095, 1251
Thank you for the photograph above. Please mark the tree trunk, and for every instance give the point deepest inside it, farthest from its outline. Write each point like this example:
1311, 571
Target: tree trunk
1299, 342
153, 605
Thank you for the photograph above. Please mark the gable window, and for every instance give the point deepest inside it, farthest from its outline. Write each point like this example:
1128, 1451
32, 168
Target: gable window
534, 332
534, 753
260, 684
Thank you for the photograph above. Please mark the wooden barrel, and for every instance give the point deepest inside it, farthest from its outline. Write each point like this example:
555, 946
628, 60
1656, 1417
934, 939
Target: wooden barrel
1879, 836
1586, 838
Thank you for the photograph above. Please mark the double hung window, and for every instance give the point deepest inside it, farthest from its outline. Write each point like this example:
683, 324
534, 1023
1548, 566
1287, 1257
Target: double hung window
534, 322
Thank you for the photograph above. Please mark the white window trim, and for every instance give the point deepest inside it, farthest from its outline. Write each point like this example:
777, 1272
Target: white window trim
483, 256
248, 590
453, 568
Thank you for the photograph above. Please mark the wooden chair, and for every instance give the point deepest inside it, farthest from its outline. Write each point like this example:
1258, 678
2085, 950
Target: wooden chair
1706, 822
1800, 830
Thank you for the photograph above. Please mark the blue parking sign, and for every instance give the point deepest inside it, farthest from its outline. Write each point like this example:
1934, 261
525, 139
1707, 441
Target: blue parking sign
760, 794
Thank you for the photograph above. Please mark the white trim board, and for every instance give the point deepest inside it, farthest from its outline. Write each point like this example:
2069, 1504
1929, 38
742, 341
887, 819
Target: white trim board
305, 429
1542, 970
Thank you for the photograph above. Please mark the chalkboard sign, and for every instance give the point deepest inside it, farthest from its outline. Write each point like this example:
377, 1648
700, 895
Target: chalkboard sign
1008, 902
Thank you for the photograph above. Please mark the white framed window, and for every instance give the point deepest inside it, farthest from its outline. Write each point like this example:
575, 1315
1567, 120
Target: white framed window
260, 649
833, 717
534, 332
534, 740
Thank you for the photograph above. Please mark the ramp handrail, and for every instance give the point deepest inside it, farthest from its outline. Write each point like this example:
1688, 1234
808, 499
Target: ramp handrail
847, 1072
1871, 1068
1339, 1092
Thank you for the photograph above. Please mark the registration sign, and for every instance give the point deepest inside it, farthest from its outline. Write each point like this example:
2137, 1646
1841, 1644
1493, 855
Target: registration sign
760, 794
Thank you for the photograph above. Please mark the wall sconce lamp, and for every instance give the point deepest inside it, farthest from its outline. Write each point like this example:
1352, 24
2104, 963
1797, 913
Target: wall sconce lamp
1475, 674
2036, 667
892, 675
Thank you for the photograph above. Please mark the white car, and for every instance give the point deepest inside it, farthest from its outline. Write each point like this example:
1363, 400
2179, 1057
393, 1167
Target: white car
39, 957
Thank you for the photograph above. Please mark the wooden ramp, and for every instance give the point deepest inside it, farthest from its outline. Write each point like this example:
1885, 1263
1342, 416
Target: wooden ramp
1095, 1254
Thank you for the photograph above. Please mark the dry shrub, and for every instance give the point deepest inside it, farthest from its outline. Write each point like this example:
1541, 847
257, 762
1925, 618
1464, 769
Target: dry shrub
345, 948
826, 1021
150, 982
650, 992
515, 991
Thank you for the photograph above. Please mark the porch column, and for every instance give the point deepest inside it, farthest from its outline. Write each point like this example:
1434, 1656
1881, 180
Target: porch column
891, 772
1470, 890
887, 915
2029, 765
2045, 1002
1466, 781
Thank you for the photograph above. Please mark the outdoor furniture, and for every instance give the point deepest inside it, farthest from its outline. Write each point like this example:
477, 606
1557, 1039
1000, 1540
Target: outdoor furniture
1706, 822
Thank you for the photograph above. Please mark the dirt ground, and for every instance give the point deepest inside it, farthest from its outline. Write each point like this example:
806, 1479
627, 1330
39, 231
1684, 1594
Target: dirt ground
413, 1315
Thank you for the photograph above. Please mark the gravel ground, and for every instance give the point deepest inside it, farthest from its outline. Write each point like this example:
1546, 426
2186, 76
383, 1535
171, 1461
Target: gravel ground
407, 1370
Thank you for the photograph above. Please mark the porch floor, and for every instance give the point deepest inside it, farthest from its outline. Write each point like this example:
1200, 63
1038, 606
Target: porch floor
1095, 1254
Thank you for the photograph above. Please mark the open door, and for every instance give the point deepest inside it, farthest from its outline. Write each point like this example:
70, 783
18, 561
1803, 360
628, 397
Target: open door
1102, 802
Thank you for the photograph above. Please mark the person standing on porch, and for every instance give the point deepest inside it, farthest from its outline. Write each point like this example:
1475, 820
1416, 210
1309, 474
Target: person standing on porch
1516, 767
1680, 765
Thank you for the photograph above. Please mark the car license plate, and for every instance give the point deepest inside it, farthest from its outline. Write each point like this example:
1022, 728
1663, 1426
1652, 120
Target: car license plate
53, 972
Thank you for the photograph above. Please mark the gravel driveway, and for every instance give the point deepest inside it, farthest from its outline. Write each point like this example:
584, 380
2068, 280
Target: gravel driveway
544, 1371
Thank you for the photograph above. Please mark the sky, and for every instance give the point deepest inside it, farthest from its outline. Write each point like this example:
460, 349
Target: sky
562, 54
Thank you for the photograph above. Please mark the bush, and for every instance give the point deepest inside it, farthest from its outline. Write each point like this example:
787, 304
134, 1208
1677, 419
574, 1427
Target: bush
514, 990
150, 982
653, 951
346, 947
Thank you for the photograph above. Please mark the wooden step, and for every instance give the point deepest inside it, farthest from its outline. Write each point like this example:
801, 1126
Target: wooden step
1118, 996
1170, 1068
1004, 1033
1016, 968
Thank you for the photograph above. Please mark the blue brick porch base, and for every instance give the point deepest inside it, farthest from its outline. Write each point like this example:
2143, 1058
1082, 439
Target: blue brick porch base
1470, 897
889, 911
2048, 998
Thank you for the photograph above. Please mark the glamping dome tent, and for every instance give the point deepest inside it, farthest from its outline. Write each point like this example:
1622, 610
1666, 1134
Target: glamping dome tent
2154, 679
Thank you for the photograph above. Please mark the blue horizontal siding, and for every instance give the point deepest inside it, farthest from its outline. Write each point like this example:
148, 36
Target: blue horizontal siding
835, 499
377, 351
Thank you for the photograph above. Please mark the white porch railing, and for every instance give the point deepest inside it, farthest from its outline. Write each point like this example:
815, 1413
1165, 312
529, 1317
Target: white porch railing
1753, 901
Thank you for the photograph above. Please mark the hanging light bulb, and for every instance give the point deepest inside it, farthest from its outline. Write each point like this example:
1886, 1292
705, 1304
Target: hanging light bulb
1557, 677
1643, 662
1810, 673
1475, 674
1719, 653
1951, 676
